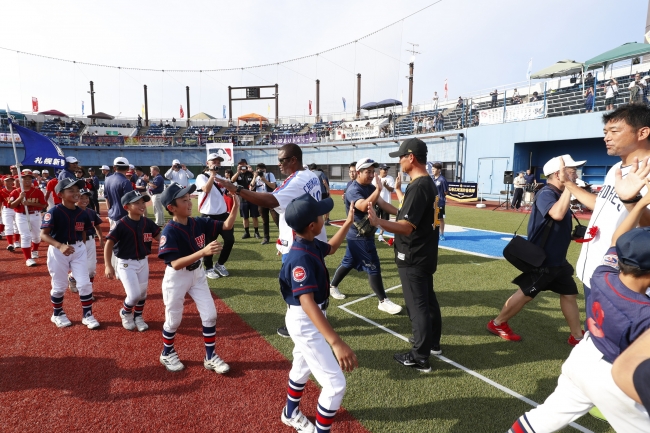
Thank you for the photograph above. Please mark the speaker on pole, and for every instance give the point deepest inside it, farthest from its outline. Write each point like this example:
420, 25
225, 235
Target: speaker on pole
508, 177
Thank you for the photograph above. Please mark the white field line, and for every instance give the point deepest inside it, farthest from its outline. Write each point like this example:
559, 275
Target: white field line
447, 360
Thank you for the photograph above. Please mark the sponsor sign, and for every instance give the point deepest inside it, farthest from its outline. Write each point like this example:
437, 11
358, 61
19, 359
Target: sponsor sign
356, 133
513, 113
463, 191
224, 150
102, 140
294, 138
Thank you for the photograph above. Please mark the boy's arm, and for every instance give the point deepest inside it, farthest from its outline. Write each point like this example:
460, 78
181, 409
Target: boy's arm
625, 365
229, 223
632, 220
346, 357
64, 248
108, 267
211, 249
98, 231
337, 239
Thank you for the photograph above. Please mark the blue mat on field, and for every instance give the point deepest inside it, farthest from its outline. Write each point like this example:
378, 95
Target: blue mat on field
483, 243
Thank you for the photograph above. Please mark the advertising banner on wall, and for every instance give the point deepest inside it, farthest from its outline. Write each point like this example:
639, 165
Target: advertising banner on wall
356, 133
294, 138
5, 136
463, 191
102, 140
513, 113
224, 150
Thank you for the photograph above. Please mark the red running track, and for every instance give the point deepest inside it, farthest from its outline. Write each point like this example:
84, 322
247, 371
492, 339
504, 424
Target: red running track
110, 380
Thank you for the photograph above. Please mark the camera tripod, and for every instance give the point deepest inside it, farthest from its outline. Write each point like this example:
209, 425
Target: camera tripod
505, 205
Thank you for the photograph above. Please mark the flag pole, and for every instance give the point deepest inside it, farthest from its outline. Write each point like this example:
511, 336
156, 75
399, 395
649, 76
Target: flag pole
18, 166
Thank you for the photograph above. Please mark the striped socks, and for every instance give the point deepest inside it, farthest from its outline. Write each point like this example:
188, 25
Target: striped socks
57, 305
137, 311
168, 342
87, 304
294, 394
324, 419
126, 309
209, 337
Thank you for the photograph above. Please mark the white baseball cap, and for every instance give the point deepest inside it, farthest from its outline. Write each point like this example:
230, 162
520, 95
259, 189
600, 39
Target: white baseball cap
553, 165
121, 161
176, 161
214, 156
132, 167
105, 167
71, 159
366, 162
46, 171
36, 172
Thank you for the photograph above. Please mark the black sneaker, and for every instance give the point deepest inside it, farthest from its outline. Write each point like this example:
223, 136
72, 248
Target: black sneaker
265, 241
257, 236
283, 332
435, 350
328, 223
246, 236
406, 359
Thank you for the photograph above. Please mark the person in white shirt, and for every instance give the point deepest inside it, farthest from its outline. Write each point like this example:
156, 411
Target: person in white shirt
388, 186
212, 205
179, 173
298, 182
611, 92
435, 100
520, 183
637, 87
264, 181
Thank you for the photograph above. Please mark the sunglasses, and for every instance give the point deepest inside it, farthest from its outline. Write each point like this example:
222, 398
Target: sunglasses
283, 160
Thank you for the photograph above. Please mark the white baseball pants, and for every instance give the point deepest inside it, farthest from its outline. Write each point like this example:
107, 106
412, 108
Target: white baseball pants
194, 283
59, 265
312, 354
586, 381
158, 209
134, 275
9, 220
91, 254
29, 231
111, 226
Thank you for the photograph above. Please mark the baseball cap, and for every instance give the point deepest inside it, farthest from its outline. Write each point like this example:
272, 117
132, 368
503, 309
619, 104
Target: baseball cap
174, 191
45, 171
131, 167
85, 191
413, 145
12, 166
365, 163
121, 161
242, 161
71, 159
27, 172
91, 169
633, 248
133, 196
214, 156
176, 161
69, 183
105, 167
303, 210
383, 167
553, 164
6, 178
36, 172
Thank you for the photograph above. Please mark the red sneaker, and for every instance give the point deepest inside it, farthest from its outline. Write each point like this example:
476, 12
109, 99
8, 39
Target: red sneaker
574, 341
503, 331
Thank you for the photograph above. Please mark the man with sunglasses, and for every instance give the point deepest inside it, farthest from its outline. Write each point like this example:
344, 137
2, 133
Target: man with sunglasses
71, 165
298, 182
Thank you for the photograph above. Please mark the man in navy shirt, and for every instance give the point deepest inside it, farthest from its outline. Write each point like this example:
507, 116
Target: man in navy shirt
115, 187
443, 190
352, 172
529, 177
156, 186
94, 181
550, 228
71, 165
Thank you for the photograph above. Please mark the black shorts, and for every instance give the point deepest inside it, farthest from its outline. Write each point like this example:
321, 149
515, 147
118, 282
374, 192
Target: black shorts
610, 101
558, 279
383, 214
248, 210
441, 212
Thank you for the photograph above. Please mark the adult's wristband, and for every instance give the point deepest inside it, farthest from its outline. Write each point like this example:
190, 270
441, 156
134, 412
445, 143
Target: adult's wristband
632, 200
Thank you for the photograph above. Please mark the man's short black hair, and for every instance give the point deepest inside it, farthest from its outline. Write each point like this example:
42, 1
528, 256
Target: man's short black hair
635, 115
292, 149
353, 164
437, 165
261, 165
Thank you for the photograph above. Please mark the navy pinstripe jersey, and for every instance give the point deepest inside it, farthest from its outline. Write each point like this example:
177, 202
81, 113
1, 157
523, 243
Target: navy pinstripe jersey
133, 238
304, 271
66, 225
178, 240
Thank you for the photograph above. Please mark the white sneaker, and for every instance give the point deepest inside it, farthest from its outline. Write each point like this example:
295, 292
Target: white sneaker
16, 244
127, 321
171, 362
34, 254
380, 238
216, 364
61, 321
389, 307
90, 322
221, 270
30, 262
72, 284
211, 274
299, 422
334, 293
139, 323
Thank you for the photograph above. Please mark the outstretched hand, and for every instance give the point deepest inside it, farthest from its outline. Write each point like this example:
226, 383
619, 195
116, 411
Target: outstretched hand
212, 248
627, 188
372, 215
378, 183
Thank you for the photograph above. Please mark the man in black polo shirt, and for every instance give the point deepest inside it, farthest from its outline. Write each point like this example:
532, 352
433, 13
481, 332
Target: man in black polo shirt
551, 208
244, 177
416, 254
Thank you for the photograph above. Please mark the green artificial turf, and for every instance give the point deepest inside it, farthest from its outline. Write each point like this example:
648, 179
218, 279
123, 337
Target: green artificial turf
386, 397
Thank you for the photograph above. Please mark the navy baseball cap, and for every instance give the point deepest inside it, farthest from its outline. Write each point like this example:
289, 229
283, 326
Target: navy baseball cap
413, 145
85, 191
173, 191
304, 210
132, 196
68, 182
633, 248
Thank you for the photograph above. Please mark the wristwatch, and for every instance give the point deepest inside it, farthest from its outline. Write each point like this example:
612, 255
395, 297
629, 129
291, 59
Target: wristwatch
239, 188
632, 200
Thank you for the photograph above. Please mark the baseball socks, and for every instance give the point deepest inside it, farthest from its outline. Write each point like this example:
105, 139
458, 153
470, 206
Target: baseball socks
324, 419
27, 253
57, 305
209, 337
168, 342
294, 394
10, 242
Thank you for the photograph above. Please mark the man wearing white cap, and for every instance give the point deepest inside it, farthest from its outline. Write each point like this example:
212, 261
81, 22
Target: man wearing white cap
549, 227
115, 187
71, 164
106, 171
179, 173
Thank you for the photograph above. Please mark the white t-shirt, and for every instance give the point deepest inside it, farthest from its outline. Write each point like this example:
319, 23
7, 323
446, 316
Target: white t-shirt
611, 90
607, 215
213, 202
261, 186
299, 183
385, 194
181, 176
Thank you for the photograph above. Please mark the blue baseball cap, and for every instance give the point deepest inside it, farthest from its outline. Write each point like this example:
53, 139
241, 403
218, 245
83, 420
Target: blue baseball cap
133, 196
69, 182
633, 248
304, 210
174, 191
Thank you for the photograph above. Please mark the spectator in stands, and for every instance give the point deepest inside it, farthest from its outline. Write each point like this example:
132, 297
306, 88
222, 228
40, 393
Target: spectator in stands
32, 125
589, 100
420, 124
637, 87
174, 121
179, 173
589, 81
265, 182
390, 116
139, 121
459, 104
244, 178
611, 92
435, 100
534, 98
440, 120
516, 98
473, 108
494, 96
415, 125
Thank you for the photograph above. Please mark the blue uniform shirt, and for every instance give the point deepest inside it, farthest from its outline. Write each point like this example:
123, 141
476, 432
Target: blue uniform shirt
66, 225
159, 181
65, 173
133, 238
94, 180
443, 189
355, 192
114, 188
95, 219
616, 315
304, 271
557, 243
178, 240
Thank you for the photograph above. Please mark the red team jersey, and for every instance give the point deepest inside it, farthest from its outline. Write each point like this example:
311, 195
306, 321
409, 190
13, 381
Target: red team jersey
4, 197
33, 194
51, 185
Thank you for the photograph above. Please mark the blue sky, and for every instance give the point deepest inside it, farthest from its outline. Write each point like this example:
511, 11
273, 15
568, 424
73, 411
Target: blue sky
475, 44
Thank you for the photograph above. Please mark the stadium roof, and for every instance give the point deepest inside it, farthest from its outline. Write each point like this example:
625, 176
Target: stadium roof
559, 69
16, 115
381, 104
253, 117
101, 115
626, 51
53, 113
202, 116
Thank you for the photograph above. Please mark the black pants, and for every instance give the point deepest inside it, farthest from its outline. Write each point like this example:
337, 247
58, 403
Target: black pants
516, 197
264, 211
94, 202
228, 237
423, 310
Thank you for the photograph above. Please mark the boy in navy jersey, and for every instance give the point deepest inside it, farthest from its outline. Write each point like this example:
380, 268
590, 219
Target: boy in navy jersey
95, 232
130, 241
64, 228
618, 312
182, 246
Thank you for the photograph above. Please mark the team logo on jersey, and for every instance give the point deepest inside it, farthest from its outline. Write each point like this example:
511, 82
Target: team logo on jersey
48, 216
126, 265
148, 237
79, 226
163, 239
299, 274
611, 260
200, 240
